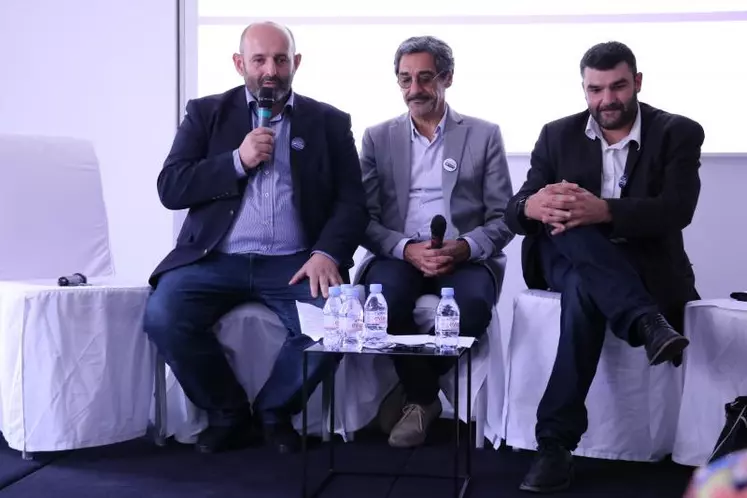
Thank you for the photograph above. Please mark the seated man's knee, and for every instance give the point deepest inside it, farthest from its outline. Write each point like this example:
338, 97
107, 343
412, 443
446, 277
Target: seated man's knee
160, 317
475, 315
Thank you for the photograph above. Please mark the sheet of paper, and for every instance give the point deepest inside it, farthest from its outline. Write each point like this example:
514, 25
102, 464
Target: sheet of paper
312, 325
312, 320
420, 339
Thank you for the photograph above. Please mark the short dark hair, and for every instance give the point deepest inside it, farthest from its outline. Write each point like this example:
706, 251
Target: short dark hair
439, 49
605, 56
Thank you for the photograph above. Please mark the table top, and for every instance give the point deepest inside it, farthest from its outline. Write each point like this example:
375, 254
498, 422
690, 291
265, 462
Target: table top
726, 304
51, 285
394, 349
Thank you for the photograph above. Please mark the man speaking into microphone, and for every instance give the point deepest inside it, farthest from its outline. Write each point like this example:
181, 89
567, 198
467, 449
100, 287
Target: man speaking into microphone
437, 186
273, 187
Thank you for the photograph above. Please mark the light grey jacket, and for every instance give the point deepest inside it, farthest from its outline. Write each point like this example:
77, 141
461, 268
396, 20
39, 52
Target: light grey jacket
475, 195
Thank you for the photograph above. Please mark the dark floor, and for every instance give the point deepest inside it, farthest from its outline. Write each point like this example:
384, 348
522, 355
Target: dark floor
140, 469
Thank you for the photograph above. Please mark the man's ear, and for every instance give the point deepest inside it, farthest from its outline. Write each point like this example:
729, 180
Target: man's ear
238, 64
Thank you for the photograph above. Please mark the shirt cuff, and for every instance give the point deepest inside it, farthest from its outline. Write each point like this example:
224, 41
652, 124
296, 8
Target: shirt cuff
330, 257
237, 164
399, 250
475, 251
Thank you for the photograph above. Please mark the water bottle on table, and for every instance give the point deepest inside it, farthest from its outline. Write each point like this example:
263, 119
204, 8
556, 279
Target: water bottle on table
332, 337
375, 317
351, 320
447, 321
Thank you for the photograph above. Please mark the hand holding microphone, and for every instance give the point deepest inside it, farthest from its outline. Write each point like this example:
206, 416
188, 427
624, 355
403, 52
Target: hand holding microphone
258, 144
438, 230
429, 256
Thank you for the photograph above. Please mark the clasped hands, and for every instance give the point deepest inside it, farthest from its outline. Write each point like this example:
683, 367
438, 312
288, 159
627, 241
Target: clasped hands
434, 262
565, 205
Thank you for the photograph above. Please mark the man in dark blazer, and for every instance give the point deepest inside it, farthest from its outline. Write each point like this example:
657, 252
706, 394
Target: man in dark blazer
275, 215
606, 198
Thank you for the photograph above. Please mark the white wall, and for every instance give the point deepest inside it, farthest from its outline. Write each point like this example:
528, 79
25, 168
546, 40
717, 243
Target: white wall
105, 71
716, 240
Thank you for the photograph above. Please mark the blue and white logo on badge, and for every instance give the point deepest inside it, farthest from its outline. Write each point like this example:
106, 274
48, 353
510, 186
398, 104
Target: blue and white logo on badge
298, 143
450, 164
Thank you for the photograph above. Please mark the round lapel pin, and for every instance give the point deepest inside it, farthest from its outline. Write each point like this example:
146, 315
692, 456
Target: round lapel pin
298, 143
450, 165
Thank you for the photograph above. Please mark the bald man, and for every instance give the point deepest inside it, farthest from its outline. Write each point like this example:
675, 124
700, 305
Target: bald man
275, 215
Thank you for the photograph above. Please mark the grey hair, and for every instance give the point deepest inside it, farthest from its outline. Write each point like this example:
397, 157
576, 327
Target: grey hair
439, 49
280, 27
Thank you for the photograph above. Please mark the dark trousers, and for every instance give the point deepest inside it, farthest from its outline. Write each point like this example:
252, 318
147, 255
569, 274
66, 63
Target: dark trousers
598, 287
402, 284
187, 302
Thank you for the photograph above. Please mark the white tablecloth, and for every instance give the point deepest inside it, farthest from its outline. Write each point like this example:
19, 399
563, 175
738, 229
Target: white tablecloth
76, 369
715, 373
632, 407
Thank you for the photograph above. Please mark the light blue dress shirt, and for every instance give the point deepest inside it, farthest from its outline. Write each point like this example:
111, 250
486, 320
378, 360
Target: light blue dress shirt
267, 222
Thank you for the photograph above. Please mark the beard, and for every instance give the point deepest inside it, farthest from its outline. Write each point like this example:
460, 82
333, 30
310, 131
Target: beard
623, 114
280, 91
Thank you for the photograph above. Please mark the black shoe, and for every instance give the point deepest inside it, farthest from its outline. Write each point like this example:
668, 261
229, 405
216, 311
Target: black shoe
282, 436
551, 471
662, 342
217, 439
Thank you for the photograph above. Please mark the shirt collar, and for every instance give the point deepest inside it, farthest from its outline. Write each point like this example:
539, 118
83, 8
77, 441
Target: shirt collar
288, 104
593, 131
414, 133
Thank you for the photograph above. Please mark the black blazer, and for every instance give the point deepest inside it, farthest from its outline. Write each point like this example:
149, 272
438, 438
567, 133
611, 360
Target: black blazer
199, 175
657, 202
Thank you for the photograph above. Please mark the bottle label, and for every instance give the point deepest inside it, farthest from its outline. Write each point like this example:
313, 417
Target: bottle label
331, 322
447, 323
351, 324
376, 318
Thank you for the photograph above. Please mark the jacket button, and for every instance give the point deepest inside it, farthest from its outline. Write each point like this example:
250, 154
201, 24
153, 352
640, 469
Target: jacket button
205, 251
231, 212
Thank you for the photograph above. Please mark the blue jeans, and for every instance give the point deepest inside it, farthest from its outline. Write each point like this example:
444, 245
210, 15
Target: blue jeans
598, 286
187, 301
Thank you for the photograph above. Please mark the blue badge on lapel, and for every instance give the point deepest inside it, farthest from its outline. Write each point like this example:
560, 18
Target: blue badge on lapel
450, 165
298, 143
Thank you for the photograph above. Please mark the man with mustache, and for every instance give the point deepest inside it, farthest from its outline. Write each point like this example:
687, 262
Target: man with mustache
275, 215
606, 199
432, 161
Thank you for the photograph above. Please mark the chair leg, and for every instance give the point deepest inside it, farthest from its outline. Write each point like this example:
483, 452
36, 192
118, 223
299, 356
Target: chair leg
481, 415
27, 455
160, 401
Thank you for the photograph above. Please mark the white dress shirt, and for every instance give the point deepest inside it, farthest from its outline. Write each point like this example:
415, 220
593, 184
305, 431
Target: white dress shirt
614, 156
426, 191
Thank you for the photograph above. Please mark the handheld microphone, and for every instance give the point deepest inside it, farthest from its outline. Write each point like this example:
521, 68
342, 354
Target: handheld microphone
438, 229
265, 100
74, 280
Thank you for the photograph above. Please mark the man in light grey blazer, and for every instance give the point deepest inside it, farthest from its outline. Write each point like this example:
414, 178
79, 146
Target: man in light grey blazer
432, 161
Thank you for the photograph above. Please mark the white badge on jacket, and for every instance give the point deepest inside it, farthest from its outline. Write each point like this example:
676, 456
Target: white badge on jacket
450, 165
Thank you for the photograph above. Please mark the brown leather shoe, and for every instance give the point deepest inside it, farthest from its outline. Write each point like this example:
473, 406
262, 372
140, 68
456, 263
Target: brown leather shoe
412, 428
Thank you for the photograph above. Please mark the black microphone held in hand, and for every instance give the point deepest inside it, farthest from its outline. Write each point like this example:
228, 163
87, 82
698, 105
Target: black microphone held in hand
74, 280
265, 100
438, 229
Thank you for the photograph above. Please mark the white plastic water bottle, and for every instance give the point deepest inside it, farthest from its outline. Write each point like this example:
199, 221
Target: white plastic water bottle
447, 321
351, 320
332, 338
342, 291
375, 317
